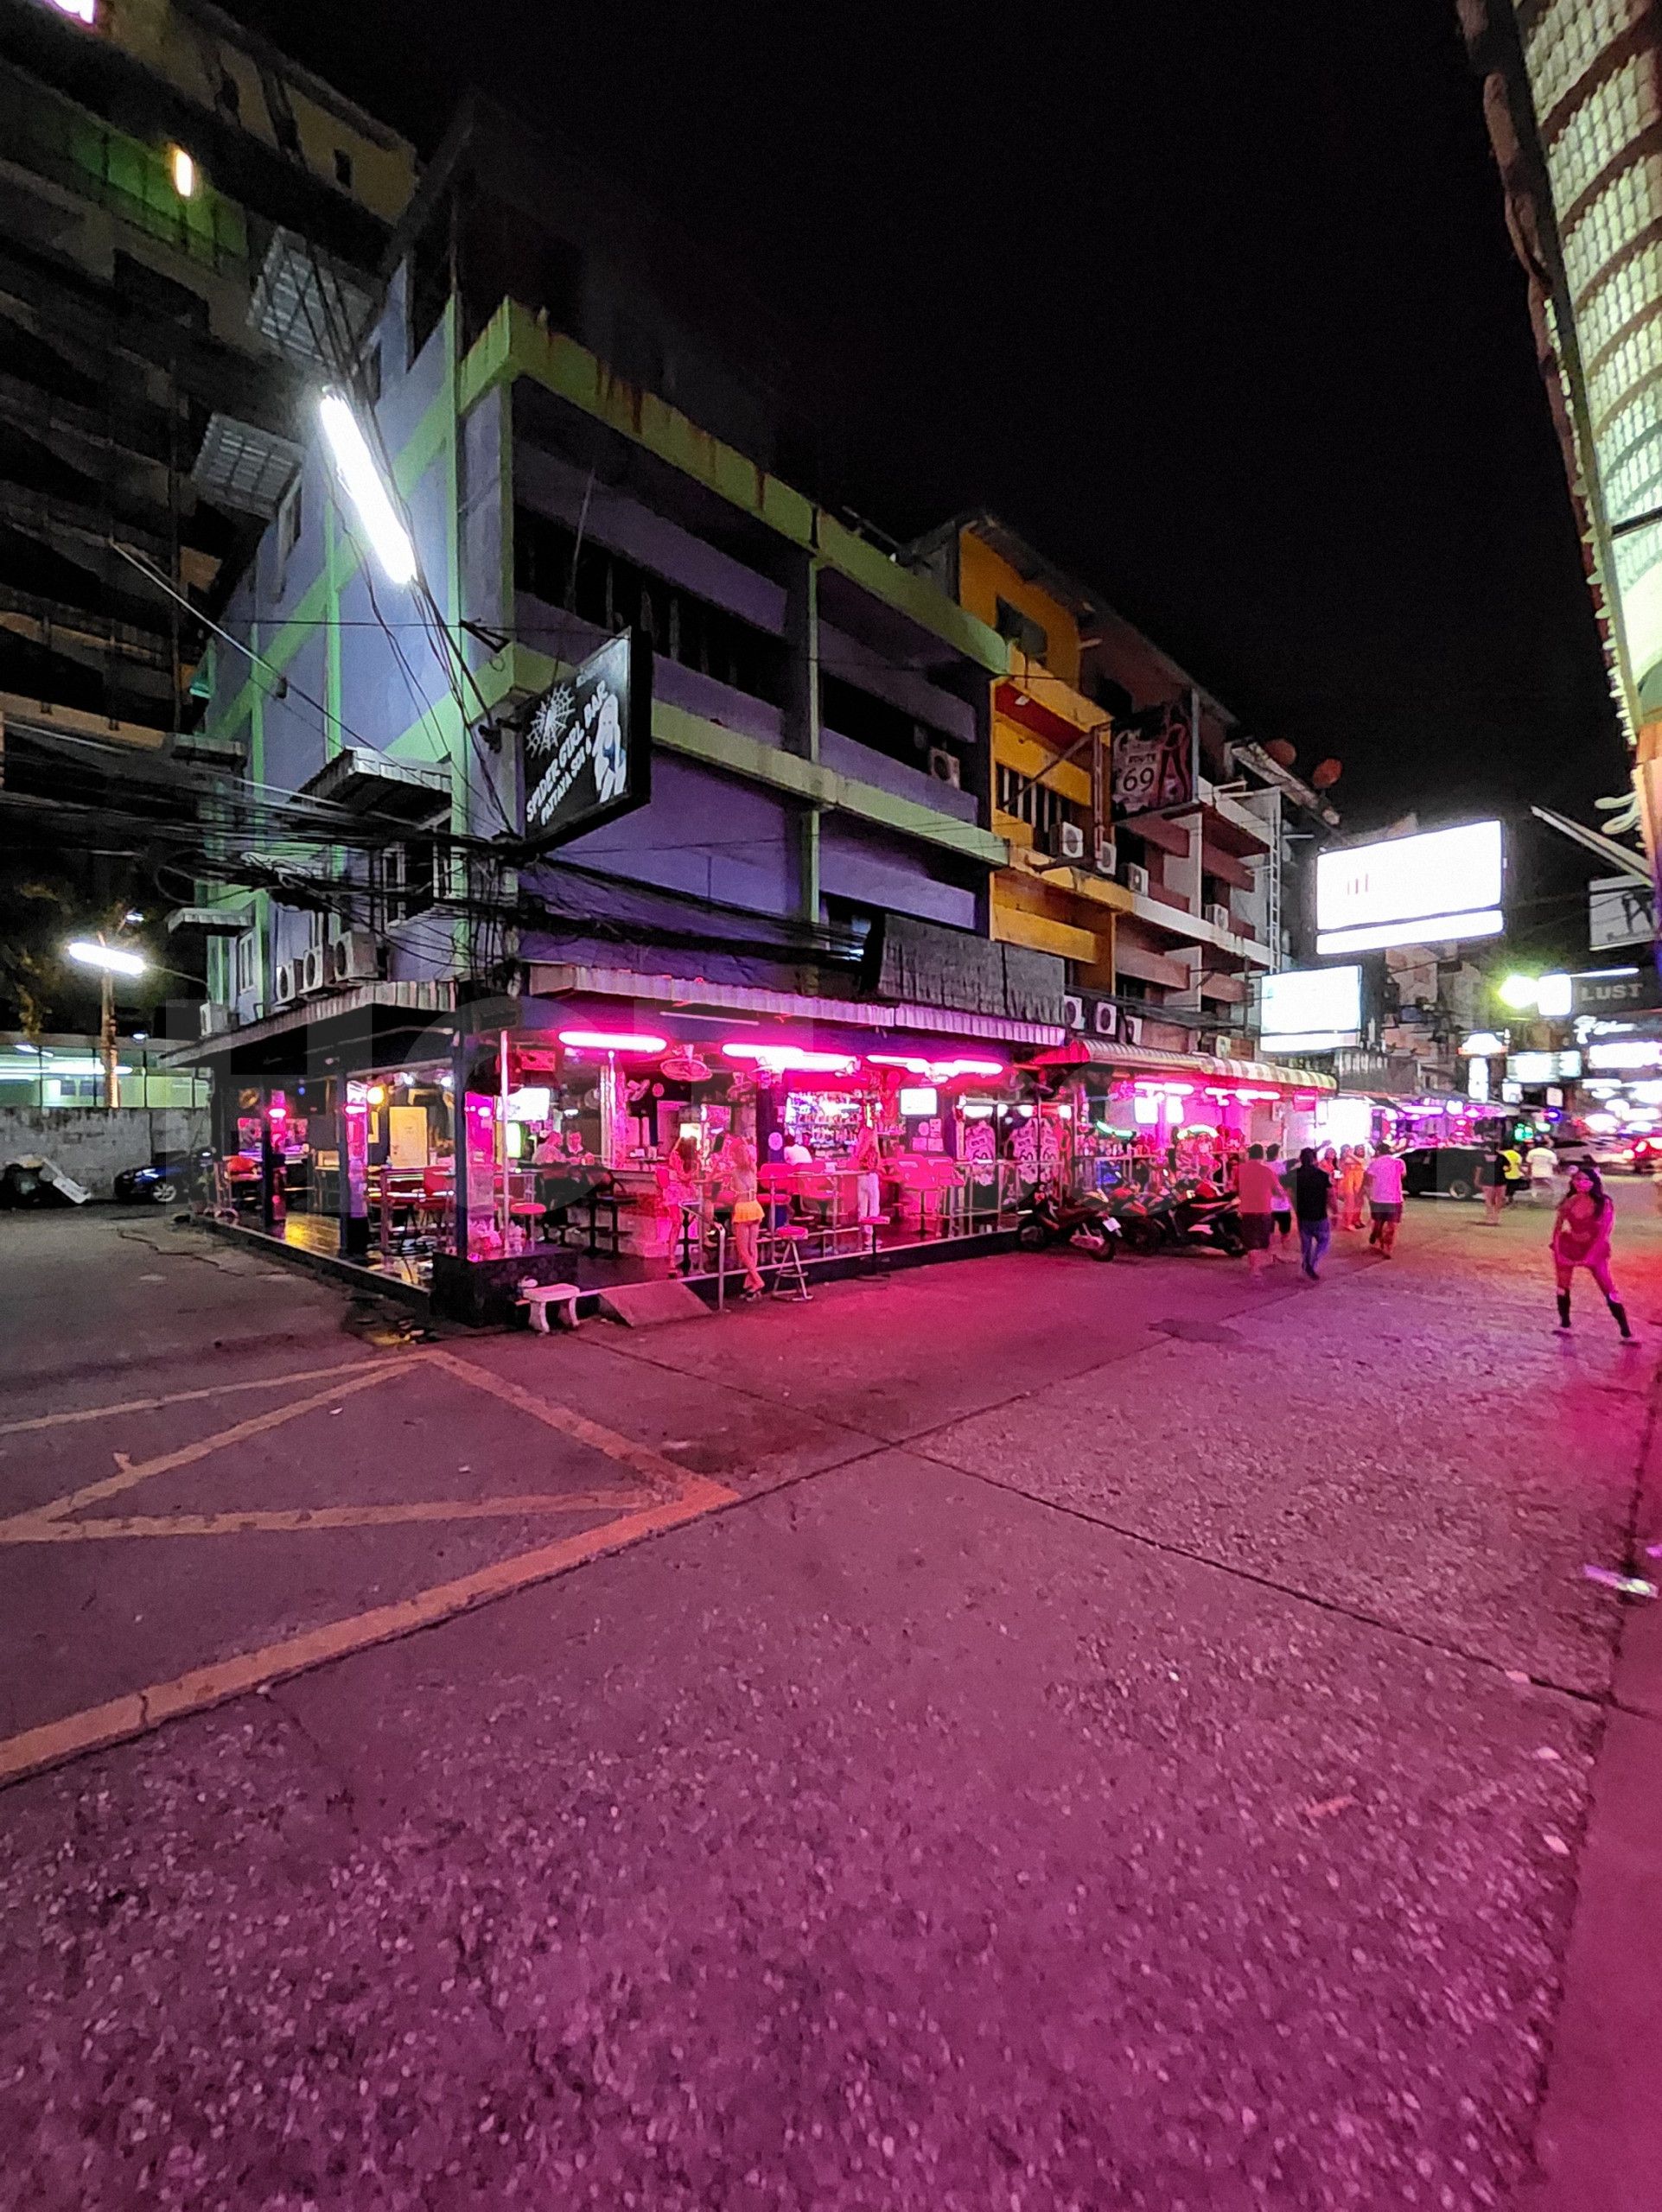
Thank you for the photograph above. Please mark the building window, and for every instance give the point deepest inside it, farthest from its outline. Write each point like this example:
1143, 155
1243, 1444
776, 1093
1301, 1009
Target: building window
291, 517
1039, 806
887, 729
613, 593
244, 963
1021, 631
407, 872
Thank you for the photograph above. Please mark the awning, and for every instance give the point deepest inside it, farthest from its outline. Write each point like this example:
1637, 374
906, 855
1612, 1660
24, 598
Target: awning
328, 1005
1149, 1059
365, 782
211, 921
563, 980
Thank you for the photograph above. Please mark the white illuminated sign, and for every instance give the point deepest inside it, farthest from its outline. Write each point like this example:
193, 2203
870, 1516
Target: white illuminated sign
1305, 1001
1441, 885
84, 11
1628, 1052
1477, 1079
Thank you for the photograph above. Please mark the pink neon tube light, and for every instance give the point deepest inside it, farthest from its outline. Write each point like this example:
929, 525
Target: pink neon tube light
793, 1057
606, 1040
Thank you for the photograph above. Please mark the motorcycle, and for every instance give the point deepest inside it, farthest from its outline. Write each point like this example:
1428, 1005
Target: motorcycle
1087, 1223
1192, 1218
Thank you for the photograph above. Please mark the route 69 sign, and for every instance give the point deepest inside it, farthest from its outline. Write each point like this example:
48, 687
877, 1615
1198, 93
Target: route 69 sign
588, 745
1153, 761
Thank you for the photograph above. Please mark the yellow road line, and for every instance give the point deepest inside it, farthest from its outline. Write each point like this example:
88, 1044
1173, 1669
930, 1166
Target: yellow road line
184, 1397
298, 1519
641, 1457
142, 1710
130, 1473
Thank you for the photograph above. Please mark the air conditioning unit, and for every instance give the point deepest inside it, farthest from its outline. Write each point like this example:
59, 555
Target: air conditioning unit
286, 986
1105, 1018
1073, 1012
1136, 879
354, 957
314, 970
1131, 1029
1220, 917
1105, 858
1067, 841
213, 1018
944, 765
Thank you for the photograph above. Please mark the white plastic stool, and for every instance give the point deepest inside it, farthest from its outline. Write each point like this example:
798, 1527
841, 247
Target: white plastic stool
539, 1296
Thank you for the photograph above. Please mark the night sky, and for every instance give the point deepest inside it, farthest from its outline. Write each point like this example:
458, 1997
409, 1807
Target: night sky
1213, 303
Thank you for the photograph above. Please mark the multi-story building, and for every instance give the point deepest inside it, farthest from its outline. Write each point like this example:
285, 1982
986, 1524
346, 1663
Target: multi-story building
1165, 916
1572, 94
181, 212
575, 459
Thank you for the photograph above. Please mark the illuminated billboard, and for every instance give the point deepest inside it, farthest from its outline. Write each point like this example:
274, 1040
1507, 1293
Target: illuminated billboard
1311, 1009
1431, 889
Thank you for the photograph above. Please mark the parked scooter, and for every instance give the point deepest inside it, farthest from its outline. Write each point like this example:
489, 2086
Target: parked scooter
1192, 1218
1087, 1223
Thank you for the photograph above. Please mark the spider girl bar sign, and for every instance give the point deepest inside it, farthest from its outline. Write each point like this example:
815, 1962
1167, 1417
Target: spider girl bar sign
588, 745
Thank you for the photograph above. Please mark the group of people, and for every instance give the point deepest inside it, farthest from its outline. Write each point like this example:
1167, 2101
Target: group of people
1319, 1193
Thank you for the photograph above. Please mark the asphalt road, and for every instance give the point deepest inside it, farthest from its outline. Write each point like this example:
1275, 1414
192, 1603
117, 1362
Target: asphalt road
1017, 1734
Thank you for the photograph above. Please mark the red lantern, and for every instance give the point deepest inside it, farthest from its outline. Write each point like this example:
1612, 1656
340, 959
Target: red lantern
1325, 774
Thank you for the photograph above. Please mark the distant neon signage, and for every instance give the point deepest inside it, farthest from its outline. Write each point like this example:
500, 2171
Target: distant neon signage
607, 1040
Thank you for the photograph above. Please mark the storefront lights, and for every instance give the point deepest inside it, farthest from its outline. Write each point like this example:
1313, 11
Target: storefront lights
795, 1058
607, 1040
938, 1071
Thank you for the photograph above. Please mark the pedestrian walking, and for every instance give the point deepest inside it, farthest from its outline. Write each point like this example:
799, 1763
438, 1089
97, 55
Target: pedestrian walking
1256, 1187
1542, 1164
1492, 1177
1312, 1190
1384, 1175
1352, 1169
1581, 1238
1281, 1203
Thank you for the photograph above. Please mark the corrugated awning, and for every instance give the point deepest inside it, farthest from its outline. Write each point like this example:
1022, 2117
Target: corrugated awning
559, 979
329, 1006
1149, 1059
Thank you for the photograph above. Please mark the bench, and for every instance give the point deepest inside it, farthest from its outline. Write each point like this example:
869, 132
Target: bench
539, 1296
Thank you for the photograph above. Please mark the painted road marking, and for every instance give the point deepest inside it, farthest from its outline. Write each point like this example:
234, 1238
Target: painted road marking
675, 1497
130, 1473
139, 1710
186, 1397
641, 1457
302, 1518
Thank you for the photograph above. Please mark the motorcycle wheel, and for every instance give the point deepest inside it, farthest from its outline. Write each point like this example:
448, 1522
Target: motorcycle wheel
1109, 1248
1032, 1237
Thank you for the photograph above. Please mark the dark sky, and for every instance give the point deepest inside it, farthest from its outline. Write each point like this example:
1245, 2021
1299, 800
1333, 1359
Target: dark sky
1213, 303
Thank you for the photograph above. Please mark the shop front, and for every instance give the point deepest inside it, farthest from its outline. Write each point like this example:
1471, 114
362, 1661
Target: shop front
457, 1151
1126, 1114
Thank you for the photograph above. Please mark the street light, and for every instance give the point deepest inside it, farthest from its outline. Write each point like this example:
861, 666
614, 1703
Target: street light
367, 488
110, 961
1518, 991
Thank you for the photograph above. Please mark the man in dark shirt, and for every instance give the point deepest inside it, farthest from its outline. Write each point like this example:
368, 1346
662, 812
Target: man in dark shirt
1311, 1187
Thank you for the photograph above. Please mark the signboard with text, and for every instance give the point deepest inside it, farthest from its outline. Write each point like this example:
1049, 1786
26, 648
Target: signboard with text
588, 745
1152, 760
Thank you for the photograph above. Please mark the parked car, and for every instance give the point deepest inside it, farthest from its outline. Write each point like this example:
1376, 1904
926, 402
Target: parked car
157, 1185
1443, 1170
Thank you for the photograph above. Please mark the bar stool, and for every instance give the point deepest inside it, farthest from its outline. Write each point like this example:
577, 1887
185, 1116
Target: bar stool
791, 1238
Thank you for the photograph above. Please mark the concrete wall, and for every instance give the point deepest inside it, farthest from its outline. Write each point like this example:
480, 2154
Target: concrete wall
93, 1146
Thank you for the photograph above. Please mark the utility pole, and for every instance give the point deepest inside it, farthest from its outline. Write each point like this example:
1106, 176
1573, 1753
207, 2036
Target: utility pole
107, 1038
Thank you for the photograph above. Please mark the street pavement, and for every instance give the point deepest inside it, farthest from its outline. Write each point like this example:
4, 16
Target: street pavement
1018, 1733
